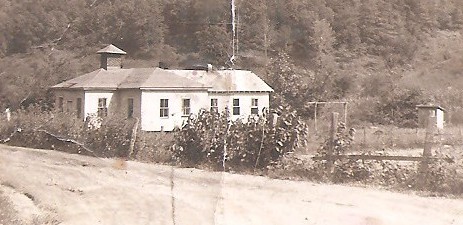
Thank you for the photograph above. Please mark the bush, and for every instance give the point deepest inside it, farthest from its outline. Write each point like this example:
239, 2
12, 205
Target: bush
154, 147
35, 128
213, 140
32, 127
393, 105
112, 138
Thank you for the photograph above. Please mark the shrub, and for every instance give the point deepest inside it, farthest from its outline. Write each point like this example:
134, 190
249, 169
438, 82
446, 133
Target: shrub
154, 147
35, 128
212, 139
32, 127
112, 138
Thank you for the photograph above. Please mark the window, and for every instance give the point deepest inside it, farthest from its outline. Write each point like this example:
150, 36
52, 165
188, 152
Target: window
102, 107
214, 105
236, 106
186, 107
254, 106
130, 108
164, 108
69, 106
60, 104
79, 107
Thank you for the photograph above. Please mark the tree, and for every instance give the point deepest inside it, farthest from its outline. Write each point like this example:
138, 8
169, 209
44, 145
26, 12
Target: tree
328, 84
346, 23
289, 83
214, 44
399, 107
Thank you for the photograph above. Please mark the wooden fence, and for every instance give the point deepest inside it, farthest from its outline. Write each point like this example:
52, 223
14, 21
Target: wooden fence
424, 160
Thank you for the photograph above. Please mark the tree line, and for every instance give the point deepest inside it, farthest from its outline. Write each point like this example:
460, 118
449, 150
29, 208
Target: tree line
316, 50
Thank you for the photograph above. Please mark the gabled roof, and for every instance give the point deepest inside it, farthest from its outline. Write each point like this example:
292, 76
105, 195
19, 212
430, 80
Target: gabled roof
161, 79
111, 49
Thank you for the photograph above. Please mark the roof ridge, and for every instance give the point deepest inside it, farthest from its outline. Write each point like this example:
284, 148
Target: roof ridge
111, 49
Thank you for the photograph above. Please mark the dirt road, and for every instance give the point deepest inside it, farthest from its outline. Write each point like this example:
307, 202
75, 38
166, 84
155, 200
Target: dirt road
53, 187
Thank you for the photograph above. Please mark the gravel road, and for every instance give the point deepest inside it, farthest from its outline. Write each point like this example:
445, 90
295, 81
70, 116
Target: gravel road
57, 188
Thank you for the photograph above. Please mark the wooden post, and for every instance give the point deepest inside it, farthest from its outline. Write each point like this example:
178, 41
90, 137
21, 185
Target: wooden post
133, 139
364, 137
315, 117
330, 152
429, 139
345, 114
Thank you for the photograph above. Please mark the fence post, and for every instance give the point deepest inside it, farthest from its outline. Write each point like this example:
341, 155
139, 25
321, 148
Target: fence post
133, 138
315, 117
364, 137
429, 139
330, 152
345, 114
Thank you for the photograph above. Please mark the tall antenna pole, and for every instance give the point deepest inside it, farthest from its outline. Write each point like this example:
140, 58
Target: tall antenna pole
237, 31
233, 14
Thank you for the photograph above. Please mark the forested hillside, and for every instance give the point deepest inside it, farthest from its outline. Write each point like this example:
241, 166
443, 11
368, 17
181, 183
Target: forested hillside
383, 56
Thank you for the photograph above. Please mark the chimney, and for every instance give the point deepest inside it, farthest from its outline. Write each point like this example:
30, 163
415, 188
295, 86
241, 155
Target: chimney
111, 57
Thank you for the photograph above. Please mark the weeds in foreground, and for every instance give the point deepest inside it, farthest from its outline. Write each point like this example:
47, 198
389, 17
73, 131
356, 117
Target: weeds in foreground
444, 175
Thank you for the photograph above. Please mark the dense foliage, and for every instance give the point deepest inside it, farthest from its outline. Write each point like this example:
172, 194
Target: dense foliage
212, 139
36, 128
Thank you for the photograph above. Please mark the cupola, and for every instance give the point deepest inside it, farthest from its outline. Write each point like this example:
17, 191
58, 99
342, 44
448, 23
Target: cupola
111, 57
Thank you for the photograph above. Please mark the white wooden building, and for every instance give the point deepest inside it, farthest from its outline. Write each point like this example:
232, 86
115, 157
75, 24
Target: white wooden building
161, 98
434, 111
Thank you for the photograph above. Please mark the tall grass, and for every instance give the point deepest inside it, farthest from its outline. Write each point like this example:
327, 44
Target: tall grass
35, 128
388, 138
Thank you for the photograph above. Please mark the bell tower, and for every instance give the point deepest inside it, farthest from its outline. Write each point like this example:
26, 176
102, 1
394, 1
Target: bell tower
111, 57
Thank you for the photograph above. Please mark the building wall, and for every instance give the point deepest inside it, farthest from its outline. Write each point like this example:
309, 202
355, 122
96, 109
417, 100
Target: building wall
225, 100
70, 101
440, 118
91, 101
121, 98
150, 108
437, 114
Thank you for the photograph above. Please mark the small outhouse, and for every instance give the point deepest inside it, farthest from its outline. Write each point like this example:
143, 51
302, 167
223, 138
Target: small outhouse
434, 111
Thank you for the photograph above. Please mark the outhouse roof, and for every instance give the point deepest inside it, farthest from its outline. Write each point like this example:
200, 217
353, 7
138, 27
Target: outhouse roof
430, 107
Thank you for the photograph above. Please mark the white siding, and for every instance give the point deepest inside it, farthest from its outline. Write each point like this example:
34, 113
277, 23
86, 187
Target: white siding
440, 118
226, 100
150, 108
91, 101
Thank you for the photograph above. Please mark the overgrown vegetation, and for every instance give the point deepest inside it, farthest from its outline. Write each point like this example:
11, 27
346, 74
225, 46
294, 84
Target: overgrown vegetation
263, 145
38, 128
212, 139
443, 175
